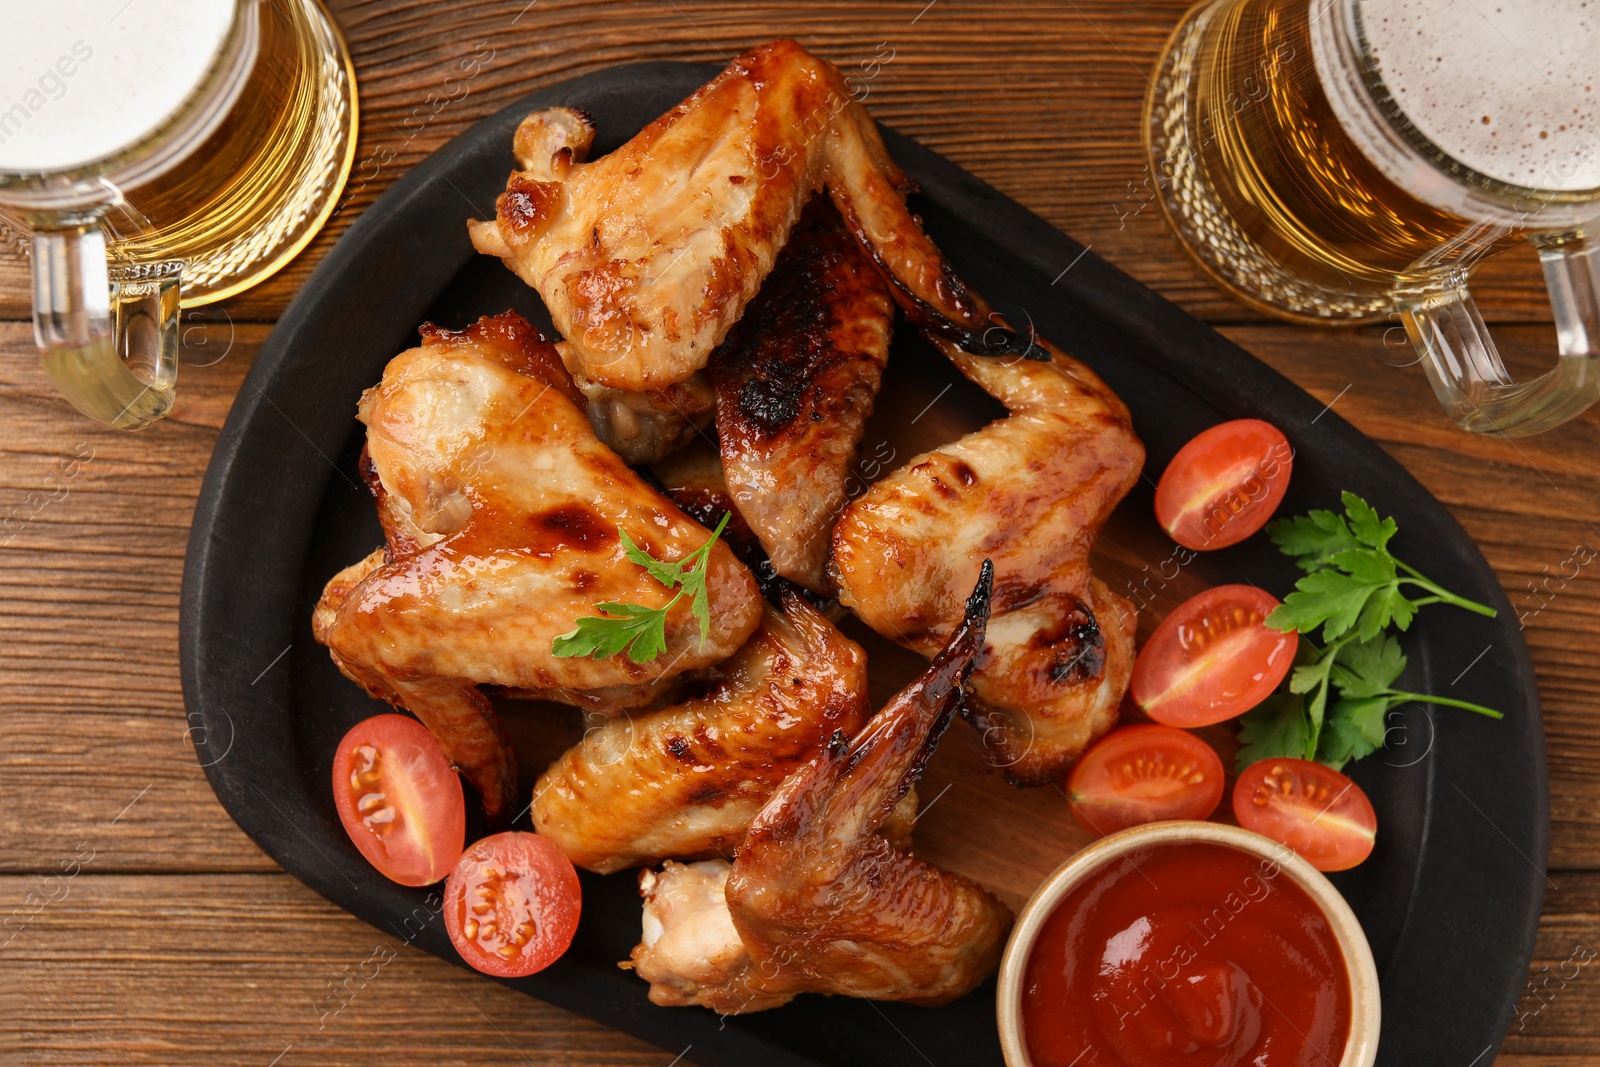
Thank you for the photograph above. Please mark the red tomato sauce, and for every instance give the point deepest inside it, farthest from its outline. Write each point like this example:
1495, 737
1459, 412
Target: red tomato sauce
1186, 955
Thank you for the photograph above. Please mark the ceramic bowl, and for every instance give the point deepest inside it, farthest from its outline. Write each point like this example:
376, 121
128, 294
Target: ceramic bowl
1365, 1007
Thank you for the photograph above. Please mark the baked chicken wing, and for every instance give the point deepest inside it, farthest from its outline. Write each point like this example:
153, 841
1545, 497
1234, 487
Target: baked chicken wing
502, 513
817, 900
795, 382
647, 256
1031, 492
685, 780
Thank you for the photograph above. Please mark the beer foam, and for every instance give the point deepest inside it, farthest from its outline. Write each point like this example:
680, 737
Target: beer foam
86, 78
1510, 88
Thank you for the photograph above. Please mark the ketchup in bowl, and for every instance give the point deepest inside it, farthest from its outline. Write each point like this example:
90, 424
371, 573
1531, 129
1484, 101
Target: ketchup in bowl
1186, 954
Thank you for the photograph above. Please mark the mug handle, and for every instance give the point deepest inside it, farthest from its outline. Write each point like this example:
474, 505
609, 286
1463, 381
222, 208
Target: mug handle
108, 337
1464, 366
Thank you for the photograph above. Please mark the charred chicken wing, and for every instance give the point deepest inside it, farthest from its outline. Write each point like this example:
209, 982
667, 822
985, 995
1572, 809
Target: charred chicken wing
795, 383
818, 901
685, 780
1030, 492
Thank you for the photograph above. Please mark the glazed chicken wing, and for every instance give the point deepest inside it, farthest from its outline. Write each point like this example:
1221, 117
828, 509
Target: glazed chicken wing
1031, 492
795, 383
686, 780
818, 901
502, 512
647, 256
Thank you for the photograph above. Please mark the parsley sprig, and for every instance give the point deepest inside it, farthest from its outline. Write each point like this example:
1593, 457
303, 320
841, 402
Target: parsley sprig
1338, 698
642, 631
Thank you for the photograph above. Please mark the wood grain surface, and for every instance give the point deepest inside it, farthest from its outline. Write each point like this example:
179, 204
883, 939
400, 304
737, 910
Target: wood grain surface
177, 941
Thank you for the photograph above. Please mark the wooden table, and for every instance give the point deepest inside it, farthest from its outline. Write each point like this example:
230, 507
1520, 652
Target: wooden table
177, 941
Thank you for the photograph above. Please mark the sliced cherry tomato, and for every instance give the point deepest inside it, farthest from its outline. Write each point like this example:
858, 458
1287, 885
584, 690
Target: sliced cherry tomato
512, 903
1313, 809
399, 800
1224, 484
1213, 658
1144, 773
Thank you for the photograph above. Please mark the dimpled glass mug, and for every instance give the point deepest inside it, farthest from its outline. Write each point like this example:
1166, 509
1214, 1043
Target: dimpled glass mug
1345, 160
159, 153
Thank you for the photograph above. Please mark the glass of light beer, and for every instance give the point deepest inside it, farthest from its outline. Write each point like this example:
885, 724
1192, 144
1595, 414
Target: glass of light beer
1340, 161
157, 154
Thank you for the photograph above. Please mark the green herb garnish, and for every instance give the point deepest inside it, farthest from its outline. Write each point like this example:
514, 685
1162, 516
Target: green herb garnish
1338, 698
639, 630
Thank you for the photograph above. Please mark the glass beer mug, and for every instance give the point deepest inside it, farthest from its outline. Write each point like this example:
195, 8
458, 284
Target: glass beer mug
158, 153
1343, 160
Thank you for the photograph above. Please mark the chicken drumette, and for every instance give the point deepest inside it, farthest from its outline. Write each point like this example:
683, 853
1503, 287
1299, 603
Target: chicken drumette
502, 513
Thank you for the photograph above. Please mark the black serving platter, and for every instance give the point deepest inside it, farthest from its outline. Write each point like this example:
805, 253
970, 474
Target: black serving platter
1450, 899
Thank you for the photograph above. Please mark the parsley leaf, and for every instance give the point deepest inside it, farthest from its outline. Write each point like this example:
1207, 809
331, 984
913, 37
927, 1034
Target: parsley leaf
1272, 729
665, 573
642, 631
1385, 608
1365, 524
1355, 728
1366, 565
1314, 538
1363, 669
639, 630
1328, 598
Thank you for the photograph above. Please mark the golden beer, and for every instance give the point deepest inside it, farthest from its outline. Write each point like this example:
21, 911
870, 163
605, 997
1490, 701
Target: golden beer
1304, 225
258, 189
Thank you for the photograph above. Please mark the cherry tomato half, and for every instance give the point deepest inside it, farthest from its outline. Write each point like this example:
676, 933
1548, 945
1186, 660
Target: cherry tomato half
1144, 773
399, 800
1224, 484
1213, 658
512, 903
1313, 809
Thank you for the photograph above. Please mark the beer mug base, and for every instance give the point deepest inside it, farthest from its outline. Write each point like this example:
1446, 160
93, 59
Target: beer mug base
1182, 127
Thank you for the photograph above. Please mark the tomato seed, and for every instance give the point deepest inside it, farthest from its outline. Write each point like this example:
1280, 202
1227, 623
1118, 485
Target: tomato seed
380, 821
369, 770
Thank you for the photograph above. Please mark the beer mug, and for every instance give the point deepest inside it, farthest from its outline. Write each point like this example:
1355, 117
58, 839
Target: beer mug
158, 153
1340, 161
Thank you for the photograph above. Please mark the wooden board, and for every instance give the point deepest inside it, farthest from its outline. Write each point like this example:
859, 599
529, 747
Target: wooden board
1034, 98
